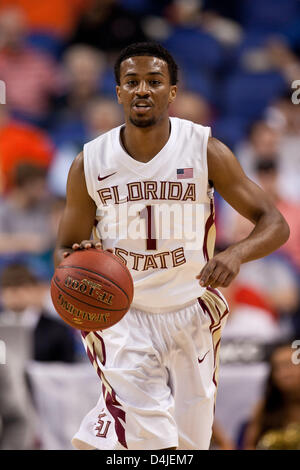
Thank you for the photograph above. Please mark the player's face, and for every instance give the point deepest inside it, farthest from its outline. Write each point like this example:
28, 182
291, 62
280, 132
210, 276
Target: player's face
145, 90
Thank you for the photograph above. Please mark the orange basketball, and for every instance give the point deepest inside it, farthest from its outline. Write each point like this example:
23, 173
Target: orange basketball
91, 289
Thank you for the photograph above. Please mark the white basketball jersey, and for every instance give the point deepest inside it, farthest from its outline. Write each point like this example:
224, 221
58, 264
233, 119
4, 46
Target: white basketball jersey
158, 217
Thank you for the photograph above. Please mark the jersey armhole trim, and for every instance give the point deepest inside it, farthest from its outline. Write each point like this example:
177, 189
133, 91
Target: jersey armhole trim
207, 135
87, 172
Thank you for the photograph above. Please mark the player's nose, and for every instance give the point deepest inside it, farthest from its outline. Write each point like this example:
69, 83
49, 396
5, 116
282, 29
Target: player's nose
142, 89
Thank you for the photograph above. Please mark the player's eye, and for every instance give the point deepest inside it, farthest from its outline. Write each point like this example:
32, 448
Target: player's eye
154, 82
132, 82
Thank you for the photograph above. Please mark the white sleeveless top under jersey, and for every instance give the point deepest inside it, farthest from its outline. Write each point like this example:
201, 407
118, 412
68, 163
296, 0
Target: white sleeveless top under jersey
158, 217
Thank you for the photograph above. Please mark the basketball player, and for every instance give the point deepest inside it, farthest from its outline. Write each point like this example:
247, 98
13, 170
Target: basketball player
159, 365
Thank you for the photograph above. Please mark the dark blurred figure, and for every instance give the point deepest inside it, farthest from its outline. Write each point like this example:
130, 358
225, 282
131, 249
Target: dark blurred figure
108, 26
263, 144
275, 423
22, 298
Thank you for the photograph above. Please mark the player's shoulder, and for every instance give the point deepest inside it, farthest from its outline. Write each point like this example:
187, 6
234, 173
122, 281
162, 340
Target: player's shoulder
102, 138
189, 128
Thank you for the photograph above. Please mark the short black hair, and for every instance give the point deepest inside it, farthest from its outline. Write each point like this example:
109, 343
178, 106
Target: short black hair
17, 275
152, 49
26, 173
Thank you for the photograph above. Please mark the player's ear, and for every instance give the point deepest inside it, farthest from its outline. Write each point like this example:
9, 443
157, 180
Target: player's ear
172, 94
118, 89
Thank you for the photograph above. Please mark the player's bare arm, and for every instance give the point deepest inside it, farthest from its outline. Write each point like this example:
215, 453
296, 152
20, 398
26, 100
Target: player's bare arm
270, 228
79, 215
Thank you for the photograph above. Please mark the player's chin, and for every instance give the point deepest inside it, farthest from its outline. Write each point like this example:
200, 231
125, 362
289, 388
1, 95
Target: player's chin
142, 121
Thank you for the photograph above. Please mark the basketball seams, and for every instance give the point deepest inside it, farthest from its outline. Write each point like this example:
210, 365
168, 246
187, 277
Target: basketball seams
90, 305
111, 280
94, 272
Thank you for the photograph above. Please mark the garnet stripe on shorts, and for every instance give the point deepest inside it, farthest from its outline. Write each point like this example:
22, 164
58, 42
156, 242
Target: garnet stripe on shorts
112, 404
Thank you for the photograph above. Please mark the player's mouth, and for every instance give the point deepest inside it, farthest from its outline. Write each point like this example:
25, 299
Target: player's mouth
141, 107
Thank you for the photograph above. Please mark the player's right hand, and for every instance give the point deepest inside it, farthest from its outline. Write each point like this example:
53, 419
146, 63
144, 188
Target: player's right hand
85, 245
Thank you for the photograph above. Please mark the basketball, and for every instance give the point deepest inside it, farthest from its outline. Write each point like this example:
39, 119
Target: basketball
91, 289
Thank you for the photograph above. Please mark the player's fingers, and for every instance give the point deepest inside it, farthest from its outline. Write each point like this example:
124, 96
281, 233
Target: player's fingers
66, 253
75, 246
212, 281
110, 250
98, 245
85, 244
228, 280
219, 279
206, 273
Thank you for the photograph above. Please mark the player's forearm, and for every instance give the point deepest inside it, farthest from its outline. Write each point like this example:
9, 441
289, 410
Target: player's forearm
270, 232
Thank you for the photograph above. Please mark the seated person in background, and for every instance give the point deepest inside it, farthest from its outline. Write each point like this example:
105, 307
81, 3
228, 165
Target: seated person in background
252, 317
22, 296
27, 232
24, 213
275, 423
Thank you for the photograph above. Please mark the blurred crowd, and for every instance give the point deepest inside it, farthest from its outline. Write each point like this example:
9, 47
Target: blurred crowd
238, 62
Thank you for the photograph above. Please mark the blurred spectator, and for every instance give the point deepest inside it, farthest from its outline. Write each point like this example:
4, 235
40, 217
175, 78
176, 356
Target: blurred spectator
192, 106
275, 423
83, 68
24, 214
251, 316
263, 144
269, 142
267, 176
13, 422
227, 32
32, 78
20, 143
22, 298
99, 116
273, 277
57, 17
284, 115
282, 58
108, 26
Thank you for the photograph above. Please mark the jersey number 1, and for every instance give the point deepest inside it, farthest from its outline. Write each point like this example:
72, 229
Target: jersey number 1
148, 214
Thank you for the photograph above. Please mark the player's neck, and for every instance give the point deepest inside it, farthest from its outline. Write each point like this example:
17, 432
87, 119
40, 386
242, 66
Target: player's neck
143, 143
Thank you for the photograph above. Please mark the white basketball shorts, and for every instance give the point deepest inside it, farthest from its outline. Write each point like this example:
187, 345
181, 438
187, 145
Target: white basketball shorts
159, 377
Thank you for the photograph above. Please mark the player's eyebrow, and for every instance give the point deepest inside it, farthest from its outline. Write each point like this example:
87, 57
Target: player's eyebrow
130, 74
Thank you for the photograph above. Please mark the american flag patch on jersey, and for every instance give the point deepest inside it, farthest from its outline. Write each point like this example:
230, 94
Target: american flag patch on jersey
183, 173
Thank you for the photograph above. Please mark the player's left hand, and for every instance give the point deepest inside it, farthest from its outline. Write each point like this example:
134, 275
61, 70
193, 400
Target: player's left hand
220, 270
